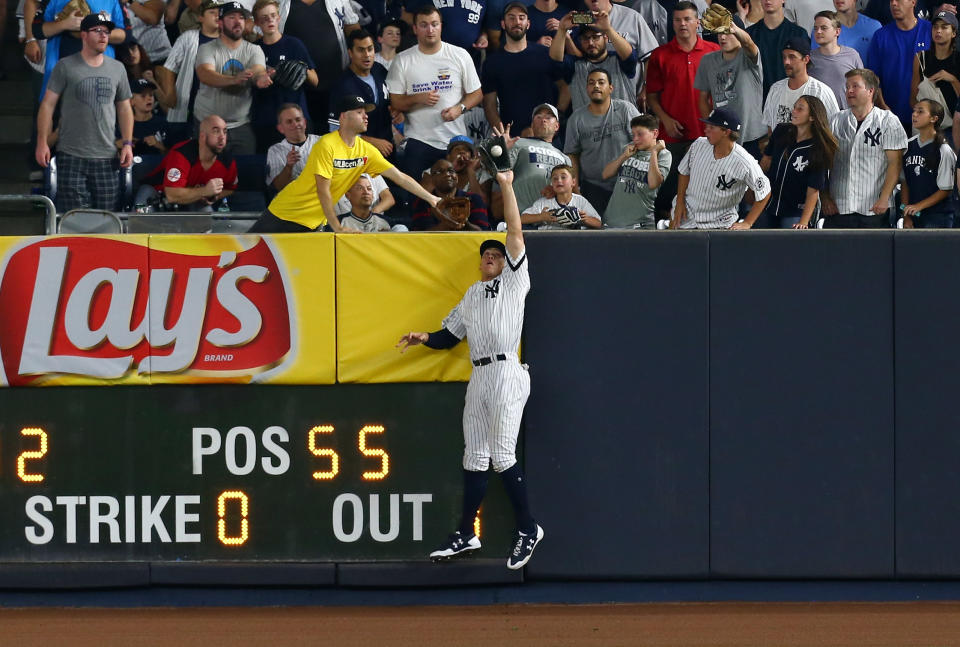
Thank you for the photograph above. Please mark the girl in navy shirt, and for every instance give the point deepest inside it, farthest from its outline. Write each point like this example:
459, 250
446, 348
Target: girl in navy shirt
796, 160
928, 165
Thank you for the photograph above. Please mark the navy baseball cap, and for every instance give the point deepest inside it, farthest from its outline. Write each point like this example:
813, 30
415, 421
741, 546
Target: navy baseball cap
95, 20
233, 7
491, 243
141, 85
516, 5
724, 119
948, 17
801, 45
352, 102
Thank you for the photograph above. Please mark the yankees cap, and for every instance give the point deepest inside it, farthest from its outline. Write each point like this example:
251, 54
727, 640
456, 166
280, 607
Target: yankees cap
95, 20
492, 243
233, 7
947, 17
723, 118
350, 102
799, 45
141, 85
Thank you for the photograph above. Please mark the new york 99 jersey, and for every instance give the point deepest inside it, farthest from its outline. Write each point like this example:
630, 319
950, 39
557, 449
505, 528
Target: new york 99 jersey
490, 314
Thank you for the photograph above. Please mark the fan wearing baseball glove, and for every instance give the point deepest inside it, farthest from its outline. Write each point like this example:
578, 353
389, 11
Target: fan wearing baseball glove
74, 7
717, 19
566, 210
456, 211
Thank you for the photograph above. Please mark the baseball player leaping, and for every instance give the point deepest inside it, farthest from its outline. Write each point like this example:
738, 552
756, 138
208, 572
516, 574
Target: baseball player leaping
490, 315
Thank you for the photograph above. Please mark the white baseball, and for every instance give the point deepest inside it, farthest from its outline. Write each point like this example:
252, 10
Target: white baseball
496, 150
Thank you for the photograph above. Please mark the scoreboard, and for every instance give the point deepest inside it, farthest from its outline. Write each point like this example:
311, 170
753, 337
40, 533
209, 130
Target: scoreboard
235, 473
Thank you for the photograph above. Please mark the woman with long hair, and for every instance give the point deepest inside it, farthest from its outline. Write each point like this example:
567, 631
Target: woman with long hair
928, 175
797, 160
941, 65
139, 66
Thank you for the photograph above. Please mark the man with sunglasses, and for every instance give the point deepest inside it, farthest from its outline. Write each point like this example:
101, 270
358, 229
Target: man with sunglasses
96, 98
444, 177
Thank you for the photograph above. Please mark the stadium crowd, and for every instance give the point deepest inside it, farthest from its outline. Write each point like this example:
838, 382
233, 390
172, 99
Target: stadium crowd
364, 114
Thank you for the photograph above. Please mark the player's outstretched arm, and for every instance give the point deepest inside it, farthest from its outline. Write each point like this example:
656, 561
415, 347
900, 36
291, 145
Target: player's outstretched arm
412, 339
511, 214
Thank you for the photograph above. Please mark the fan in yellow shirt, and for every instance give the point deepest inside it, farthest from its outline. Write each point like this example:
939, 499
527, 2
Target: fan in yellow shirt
334, 165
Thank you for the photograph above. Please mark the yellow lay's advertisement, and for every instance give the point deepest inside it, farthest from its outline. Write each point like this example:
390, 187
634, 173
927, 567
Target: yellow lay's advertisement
391, 284
167, 309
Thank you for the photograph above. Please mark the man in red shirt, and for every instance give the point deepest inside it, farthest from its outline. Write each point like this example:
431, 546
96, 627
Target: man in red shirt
197, 173
671, 95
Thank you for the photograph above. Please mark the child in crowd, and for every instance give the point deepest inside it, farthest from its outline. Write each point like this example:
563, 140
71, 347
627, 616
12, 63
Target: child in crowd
640, 170
543, 214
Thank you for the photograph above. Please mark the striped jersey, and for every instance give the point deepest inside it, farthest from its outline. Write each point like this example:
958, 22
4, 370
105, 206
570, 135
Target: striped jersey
860, 163
490, 314
716, 186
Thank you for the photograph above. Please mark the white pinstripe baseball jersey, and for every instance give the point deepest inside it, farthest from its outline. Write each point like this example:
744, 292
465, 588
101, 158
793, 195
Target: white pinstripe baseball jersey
490, 314
716, 186
861, 162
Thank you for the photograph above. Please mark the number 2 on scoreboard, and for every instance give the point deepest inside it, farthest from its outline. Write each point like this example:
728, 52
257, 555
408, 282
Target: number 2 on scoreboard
27, 455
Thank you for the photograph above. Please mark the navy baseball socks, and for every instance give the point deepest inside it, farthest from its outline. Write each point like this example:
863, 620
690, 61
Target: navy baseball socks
529, 533
463, 540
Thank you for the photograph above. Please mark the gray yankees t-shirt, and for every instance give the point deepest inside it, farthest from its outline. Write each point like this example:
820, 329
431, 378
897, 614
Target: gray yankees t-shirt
597, 139
632, 201
532, 161
88, 97
232, 103
735, 85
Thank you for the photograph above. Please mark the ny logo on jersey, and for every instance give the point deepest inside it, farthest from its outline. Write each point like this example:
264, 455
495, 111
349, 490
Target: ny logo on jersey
799, 164
491, 291
872, 137
723, 183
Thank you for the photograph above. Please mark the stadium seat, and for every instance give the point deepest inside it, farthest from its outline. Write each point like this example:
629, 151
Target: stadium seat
89, 221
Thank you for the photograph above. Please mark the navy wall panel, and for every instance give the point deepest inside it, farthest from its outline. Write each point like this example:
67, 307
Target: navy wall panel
616, 425
801, 405
928, 418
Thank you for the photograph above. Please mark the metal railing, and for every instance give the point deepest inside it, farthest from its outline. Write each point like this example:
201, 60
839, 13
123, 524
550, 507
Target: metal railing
50, 223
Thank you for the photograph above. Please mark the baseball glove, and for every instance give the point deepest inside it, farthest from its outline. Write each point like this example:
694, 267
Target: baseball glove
73, 7
567, 216
454, 212
492, 164
290, 74
717, 19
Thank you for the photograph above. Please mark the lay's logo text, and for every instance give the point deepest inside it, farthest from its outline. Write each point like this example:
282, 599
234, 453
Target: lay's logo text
109, 309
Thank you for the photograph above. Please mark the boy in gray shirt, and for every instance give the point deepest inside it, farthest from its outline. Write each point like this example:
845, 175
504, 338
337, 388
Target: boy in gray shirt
640, 171
96, 96
733, 79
